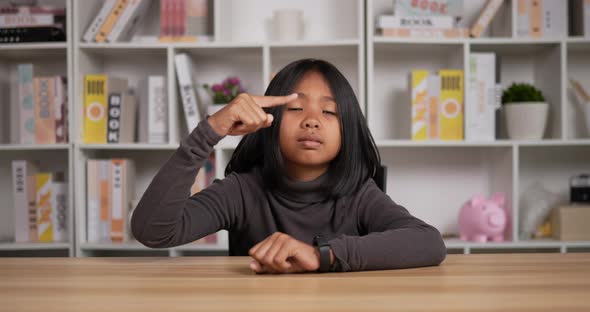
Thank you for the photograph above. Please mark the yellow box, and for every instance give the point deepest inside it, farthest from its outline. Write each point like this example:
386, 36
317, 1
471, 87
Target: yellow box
451, 105
419, 89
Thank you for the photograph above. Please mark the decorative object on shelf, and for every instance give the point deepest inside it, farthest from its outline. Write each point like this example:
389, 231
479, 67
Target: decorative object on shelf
580, 189
482, 219
288, 24
571, 222
223, 93
525, 111
535, 206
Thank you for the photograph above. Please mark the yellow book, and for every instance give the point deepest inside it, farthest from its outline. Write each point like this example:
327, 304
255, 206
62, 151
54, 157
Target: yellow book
111, 20
44, 226
95, 109
419, 104
451, 110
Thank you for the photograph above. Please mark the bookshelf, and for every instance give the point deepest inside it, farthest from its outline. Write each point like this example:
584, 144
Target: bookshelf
421, 175
425, 174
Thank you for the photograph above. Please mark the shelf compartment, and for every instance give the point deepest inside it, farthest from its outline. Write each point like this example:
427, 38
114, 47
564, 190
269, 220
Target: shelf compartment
252, 20
420, 179
538, 64
389, 105
49, 161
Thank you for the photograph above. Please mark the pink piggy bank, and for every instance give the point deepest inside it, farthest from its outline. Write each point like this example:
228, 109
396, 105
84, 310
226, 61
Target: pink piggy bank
481, 219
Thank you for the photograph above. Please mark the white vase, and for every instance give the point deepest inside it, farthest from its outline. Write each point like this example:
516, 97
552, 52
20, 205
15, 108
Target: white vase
526, 120
288, 24
214, 108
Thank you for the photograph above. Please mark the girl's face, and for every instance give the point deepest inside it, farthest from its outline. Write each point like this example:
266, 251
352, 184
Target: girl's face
310, 131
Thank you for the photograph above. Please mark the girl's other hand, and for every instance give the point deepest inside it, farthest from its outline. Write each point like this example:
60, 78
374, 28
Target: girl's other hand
281, 253
244, 114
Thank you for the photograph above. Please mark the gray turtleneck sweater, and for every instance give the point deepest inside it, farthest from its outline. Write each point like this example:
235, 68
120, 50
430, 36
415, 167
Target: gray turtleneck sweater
367, 230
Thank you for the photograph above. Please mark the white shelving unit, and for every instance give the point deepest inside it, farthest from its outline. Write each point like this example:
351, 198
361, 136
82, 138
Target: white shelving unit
421, 175
50, 58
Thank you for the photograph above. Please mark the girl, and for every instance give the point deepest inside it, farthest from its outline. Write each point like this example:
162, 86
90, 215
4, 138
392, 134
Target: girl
298, 195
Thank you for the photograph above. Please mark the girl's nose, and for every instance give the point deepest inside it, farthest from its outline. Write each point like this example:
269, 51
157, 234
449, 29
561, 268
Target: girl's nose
311, 124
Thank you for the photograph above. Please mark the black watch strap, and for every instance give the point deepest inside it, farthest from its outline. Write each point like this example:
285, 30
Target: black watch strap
324, 249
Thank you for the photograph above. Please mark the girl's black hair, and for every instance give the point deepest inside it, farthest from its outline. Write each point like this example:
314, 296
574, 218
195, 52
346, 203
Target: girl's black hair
358, 158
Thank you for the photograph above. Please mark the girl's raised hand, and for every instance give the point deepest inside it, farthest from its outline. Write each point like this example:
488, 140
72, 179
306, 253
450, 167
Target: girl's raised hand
244, 114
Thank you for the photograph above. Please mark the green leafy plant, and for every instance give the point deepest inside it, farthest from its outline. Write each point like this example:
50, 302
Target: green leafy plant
226, 91
522, 92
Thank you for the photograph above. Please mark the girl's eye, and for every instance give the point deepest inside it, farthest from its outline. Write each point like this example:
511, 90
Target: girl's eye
330, 113
294, 109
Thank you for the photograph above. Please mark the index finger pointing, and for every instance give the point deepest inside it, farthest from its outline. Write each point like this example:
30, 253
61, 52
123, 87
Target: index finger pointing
270, 101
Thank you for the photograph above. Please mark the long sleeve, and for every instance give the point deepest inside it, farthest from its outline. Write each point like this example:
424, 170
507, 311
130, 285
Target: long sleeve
168, 216
394, 239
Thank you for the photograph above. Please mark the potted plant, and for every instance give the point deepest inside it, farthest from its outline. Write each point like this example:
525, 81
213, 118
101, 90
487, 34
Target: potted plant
525, 111
223, 93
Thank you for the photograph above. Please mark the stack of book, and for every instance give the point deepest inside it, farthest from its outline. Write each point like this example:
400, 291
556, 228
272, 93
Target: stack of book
42, 108
437, 105
413, 19
20, 24
436, 19
40, 203
184, 20
110, 190
111, 112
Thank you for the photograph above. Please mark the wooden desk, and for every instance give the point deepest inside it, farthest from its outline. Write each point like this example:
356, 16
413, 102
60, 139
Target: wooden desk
511, 282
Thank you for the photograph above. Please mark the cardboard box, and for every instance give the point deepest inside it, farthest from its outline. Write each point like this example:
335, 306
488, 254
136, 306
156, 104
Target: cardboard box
571, 222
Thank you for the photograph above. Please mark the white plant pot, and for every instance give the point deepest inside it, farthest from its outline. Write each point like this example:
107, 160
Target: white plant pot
214, 108
526, 120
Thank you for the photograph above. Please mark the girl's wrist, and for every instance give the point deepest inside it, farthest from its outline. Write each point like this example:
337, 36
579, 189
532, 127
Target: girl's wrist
215, 126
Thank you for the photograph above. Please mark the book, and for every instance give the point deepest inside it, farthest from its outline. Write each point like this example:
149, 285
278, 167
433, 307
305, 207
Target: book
451, 108
105, 193
110, 21
32, 16
121, 118
437, 33
92, 30
433, 107
392, 21
24, 193
127, 24
428, 7
485, 17
44, 89
96, 90
123, 192
580, 17
188, 96
61, 110
32, 34
419, 90
153, 121
481, 104
92, 202
44, 208
59, 204
583, 99
541, 18
26, 104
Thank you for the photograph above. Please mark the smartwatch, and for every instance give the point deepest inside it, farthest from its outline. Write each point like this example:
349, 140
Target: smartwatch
321, 243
